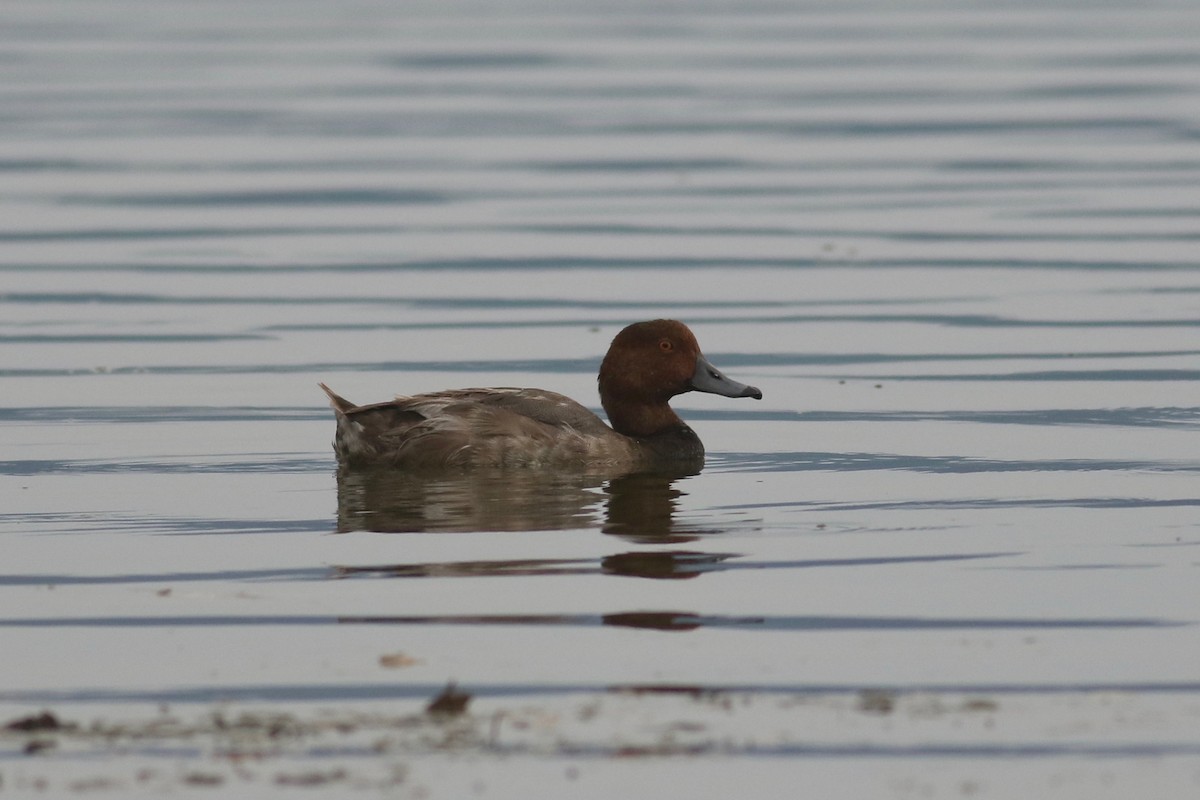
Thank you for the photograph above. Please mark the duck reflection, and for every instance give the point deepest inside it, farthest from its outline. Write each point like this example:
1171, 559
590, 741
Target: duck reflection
646, 620
396, 501
660, 565
640, 507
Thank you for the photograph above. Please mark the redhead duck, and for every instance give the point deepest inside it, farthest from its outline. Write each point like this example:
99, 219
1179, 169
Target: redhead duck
647, 364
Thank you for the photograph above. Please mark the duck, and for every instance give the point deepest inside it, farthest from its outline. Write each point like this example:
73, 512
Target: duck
647, 364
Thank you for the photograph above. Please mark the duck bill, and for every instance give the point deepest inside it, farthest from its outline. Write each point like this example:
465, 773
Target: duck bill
708, 378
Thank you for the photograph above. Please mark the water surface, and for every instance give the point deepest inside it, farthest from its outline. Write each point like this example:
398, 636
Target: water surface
953, 550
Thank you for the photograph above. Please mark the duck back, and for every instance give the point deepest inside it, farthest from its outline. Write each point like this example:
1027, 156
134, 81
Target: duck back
475, 427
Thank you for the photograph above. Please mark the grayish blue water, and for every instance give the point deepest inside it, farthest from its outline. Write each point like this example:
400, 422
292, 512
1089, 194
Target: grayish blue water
955, 549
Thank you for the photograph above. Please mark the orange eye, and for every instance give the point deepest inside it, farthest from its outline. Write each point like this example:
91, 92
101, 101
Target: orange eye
666, 346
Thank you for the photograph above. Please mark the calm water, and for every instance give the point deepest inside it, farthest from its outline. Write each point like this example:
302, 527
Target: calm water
955, 550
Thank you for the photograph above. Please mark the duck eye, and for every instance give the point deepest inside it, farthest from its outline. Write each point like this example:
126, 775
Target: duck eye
666, 346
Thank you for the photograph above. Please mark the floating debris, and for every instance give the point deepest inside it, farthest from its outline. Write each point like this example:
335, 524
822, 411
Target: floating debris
450, 702
311, 778
44, 721
35, 746
398, 661
876, 701
203, 779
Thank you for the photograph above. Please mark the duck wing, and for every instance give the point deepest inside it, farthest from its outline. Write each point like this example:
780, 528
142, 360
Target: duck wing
465, 427
539, 405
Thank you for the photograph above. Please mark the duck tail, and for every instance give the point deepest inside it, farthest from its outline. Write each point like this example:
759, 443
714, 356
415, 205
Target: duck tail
338, 403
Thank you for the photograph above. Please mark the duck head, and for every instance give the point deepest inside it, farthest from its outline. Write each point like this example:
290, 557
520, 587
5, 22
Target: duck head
647, 364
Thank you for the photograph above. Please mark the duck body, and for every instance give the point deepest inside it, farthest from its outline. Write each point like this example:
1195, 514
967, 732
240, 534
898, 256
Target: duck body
498, 427
647, 364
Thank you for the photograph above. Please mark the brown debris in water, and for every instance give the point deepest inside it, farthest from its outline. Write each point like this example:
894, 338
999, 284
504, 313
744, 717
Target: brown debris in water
876, 701
397, 661
311, 778
980, 704
203, 779
449, 703
35, 746
45, 721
